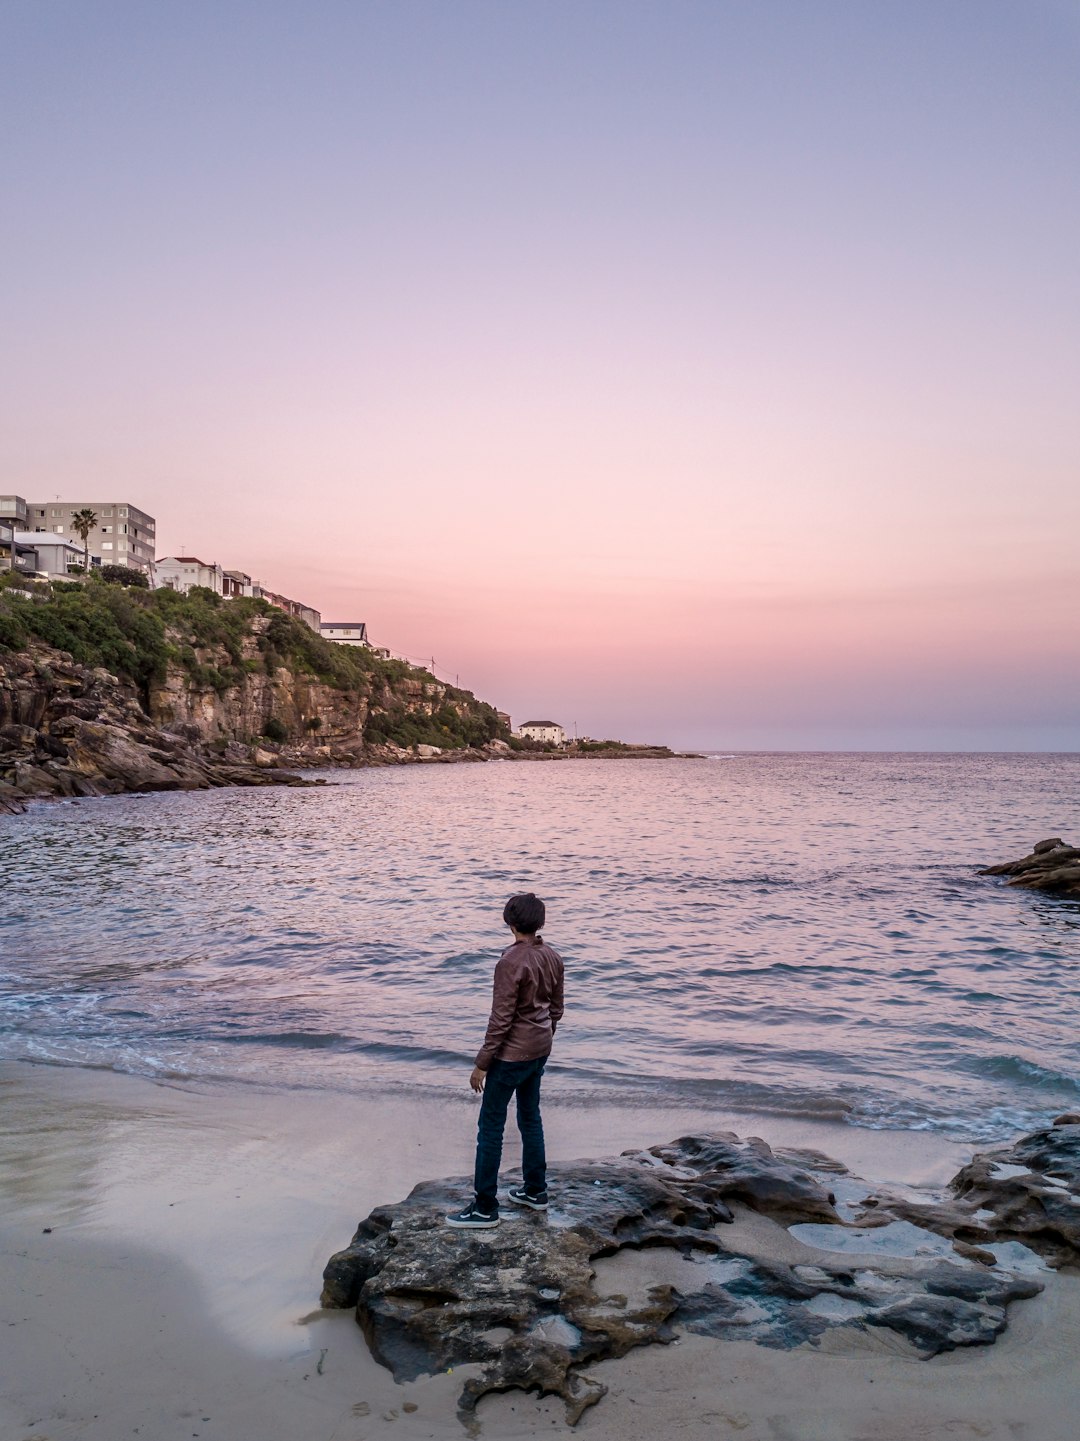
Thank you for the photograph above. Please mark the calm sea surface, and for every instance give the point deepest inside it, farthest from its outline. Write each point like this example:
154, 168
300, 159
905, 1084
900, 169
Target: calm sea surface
792, 934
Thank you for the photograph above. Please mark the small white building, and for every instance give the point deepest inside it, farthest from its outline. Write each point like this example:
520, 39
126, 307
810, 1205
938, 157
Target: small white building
548, 732
55, 555
181, 572
345, 632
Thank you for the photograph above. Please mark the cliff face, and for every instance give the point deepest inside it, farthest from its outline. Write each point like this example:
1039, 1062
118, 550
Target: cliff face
323, 721
68, 729
240, 711
198, 693
73, 730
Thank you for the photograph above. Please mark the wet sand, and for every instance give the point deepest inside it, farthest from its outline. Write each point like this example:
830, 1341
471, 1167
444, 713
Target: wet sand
175, 1293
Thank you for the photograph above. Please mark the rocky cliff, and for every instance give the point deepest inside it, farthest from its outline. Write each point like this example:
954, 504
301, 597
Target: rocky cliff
105, 690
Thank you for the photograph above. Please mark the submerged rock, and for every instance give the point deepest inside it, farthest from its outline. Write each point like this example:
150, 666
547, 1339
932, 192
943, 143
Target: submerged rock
524, 1300
1052, 866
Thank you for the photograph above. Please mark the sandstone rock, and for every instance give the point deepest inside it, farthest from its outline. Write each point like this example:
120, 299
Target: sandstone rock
96, 749
17, 737
749, 1171
260, 757
523, 1300
31, 780
1029, 1192
11, 803
1052, 866
67, 730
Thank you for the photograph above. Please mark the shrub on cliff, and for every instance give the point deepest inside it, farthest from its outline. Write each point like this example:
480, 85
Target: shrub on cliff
124, 575
99, 625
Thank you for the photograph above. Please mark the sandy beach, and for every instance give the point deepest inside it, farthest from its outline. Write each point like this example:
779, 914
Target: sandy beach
162, 1247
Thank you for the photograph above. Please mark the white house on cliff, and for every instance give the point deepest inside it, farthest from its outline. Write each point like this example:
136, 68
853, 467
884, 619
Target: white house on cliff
549, 732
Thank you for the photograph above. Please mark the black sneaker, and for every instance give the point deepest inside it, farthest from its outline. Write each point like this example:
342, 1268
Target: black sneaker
473, 1219
535, 1200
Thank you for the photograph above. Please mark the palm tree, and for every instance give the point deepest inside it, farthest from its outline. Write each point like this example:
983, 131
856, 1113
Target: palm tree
83, 522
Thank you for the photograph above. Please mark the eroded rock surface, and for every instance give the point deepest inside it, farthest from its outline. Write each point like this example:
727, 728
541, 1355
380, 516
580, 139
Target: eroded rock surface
1052, 866
812, 1250
70, 730
1028, 1193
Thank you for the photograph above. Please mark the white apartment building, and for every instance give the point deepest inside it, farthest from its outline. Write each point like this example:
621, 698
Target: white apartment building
550, 732
124, 534
181, 572
345, 632
55, 554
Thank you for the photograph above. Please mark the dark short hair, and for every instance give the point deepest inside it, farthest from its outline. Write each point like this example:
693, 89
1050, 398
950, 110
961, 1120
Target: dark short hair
525, 912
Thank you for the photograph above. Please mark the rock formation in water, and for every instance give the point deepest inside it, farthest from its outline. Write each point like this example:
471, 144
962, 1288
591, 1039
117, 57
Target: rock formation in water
523, 1301
1052, 866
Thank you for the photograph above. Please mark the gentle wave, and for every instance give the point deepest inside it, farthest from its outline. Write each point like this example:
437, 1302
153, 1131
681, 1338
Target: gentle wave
800, 936
1019, 1069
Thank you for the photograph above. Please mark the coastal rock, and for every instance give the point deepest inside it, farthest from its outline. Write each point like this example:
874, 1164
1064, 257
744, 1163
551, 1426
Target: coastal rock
71, 730
11, 803
1028, 1193
526, 1300
1053, 867
68, 730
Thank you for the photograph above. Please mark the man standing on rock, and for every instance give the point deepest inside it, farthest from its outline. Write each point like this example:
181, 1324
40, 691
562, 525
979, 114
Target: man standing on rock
526, 1006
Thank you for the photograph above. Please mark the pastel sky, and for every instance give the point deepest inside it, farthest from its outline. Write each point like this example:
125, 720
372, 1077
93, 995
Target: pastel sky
698, 372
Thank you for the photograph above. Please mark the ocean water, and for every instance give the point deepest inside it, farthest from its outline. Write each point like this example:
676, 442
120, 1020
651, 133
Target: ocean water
802, 935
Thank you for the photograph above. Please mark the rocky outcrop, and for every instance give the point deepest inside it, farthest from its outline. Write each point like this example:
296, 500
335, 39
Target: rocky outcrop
71, 730
326, 724
1028, 1193
1052, 866
526, 1301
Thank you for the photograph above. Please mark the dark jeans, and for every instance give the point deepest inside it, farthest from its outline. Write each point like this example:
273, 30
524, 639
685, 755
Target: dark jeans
504, 1078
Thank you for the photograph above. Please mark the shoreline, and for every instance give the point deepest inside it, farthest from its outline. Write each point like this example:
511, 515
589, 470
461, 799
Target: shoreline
293, 772
163, 1242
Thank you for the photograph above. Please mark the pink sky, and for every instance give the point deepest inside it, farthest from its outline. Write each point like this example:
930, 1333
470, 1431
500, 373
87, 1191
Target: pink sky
689, 373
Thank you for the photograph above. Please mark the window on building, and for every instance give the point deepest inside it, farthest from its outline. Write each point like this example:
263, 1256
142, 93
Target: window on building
106, 530
120, 510
106, 510
106, 545
55, 512
58, 530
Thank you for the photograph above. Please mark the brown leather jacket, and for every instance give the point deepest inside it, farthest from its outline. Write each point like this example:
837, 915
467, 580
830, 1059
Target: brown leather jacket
526, 1005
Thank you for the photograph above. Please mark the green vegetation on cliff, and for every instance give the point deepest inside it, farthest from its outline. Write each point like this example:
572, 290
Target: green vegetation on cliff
137, 634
